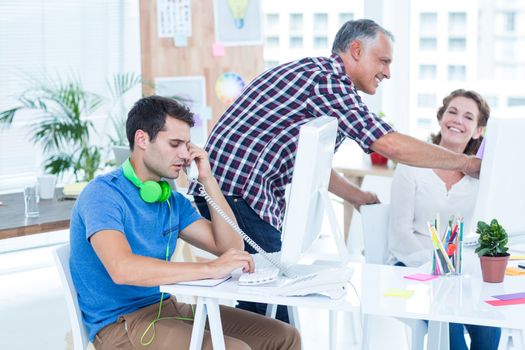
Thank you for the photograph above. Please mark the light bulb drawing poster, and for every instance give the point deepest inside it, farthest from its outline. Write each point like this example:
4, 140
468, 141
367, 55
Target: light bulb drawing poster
238, 22
191, 91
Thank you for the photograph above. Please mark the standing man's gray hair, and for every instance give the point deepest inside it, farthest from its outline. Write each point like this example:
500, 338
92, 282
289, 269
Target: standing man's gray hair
364, 30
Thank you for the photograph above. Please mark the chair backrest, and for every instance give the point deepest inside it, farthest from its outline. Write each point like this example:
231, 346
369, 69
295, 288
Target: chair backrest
379, 185
79, 331
375, 232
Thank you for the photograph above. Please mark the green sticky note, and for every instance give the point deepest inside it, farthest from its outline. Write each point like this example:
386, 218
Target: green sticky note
399, 293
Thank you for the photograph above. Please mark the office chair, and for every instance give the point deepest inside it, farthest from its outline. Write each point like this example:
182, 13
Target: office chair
380, 185
79, 331
375, 229
512, 339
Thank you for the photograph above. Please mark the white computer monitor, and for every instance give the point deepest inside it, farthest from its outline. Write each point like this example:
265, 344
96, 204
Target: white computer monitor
501, 184
308, 199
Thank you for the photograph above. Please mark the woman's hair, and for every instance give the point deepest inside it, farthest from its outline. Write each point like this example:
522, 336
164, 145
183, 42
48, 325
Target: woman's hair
484, 113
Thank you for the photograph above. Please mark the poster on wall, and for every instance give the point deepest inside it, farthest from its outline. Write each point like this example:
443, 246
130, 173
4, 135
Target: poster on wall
173, 18
228, 87
190, 90
238, 22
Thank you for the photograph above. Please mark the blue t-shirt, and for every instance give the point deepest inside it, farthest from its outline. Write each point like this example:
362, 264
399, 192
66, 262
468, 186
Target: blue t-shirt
112, 202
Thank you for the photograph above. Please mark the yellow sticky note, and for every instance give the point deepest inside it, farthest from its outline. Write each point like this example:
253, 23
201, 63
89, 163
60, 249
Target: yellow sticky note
399, 293
514, 271
517, 257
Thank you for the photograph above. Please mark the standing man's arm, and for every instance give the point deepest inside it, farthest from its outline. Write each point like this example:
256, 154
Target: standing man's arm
411, 151
343, 188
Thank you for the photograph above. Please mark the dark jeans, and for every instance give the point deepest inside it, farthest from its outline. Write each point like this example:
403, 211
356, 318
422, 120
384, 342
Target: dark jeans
264, 234
481, 337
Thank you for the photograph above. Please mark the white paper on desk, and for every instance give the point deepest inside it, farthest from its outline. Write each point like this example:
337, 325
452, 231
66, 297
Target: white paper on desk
208, 282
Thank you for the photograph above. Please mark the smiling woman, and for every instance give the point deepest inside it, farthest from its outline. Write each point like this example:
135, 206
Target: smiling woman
418, 194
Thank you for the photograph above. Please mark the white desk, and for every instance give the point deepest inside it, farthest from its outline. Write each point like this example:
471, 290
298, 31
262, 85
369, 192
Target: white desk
457, 299
208, 304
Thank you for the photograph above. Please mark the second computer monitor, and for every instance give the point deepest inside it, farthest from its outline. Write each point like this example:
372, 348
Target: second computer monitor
501, 193
305, 206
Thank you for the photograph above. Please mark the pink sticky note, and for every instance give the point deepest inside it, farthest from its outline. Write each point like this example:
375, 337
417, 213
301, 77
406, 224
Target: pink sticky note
505, 302
420, 277
217, 50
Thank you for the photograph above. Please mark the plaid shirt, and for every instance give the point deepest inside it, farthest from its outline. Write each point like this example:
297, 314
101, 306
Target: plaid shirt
252, 147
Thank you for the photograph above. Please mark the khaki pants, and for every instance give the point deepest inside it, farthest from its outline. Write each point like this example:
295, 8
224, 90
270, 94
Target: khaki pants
242, 330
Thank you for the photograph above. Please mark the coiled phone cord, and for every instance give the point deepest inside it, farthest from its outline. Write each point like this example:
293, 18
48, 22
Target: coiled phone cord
237, 229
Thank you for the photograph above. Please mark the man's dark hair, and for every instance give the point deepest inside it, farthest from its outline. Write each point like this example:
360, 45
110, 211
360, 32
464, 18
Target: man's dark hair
365, 30
150, 113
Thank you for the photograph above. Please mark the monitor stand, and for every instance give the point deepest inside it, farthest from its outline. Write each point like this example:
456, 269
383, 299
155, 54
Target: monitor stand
342, 257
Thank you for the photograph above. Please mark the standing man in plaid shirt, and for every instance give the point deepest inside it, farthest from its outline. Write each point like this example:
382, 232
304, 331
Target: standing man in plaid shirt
252, 147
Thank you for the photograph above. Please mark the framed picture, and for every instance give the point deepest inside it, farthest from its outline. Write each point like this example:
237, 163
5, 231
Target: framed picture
238, 22
190, 90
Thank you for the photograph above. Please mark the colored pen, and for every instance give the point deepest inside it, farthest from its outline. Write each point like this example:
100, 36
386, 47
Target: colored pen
437, 245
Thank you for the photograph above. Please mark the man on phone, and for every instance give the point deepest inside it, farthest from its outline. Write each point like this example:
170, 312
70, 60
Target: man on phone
124, 228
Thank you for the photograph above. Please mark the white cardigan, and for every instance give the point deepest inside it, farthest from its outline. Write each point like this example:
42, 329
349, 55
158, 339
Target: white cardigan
417, 195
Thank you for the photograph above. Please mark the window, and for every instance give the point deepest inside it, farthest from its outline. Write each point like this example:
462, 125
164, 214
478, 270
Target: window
320, 23
345, 17
457, 72
505, 49
427, 44
272, 41
270, 64
91, 39
320, 42
509, 22
272, 22
492, 101
457, 22
296, 23
428, 22
424, 123
426, 100
427, 72
516, 101
296, 42
457, 44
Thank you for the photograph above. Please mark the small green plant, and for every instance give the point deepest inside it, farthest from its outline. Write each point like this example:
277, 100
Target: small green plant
492, 240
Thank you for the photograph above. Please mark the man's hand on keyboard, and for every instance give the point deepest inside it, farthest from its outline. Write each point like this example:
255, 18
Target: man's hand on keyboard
229, 261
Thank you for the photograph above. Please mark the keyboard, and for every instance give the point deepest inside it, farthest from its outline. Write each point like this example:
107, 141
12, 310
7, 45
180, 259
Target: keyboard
259, 276
470, 241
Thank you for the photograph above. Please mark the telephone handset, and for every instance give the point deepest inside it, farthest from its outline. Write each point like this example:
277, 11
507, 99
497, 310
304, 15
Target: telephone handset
192, 173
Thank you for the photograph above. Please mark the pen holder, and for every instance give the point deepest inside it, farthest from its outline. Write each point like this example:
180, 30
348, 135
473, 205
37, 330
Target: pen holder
451, 265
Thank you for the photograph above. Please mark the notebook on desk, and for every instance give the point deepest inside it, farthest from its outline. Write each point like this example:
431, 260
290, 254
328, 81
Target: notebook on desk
208, 282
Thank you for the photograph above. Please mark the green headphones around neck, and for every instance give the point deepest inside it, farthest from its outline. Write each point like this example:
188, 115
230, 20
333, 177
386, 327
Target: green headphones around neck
150, 191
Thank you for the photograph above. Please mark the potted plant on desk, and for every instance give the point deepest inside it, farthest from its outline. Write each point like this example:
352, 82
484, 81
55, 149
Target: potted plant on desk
492, 251
376, 158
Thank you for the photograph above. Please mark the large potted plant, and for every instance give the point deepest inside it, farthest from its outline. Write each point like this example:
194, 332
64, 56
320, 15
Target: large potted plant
62, 127
492, 250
